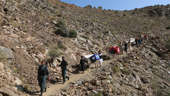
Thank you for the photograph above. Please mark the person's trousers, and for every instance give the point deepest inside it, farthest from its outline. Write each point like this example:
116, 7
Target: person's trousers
82, 67
64, 74
42, 83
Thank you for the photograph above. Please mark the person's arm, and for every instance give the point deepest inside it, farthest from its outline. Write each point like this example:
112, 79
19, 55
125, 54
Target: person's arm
80, 61
60, 64
66, 63
38, 73
47, 72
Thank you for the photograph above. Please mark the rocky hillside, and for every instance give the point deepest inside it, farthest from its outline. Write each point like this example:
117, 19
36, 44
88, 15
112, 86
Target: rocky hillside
33, 30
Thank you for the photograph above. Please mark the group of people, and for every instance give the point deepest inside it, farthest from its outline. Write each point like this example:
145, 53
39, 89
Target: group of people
43, 74
134, 41
43, 68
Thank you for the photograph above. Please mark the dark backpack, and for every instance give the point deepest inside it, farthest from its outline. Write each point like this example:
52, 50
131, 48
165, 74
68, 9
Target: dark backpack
42, 71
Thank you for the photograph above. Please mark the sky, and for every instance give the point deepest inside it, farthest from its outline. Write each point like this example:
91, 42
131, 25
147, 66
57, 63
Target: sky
118, 4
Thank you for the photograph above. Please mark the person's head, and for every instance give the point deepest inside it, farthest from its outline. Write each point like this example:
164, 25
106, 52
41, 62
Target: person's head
99, 51
63, 58
42, 62
81, 57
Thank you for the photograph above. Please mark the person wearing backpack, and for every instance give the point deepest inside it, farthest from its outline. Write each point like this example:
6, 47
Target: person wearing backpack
126, 47
82, 63
63, 66
101, 59
42, 76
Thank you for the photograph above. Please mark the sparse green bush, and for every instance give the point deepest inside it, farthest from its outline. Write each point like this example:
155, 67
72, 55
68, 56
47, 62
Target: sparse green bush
100, 7
72, 34
60, 24
62, 30
54, 53
126, 71
115, 68
98, 94
61, 45
56, 50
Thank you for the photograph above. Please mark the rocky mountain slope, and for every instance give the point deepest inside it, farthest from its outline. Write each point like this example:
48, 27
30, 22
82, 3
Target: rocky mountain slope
31, 30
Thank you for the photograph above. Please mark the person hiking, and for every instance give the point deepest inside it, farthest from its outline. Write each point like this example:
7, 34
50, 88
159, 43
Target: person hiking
136, 41
126, 46
42, 76
100, 53
82, 63
63, 66
101, 59
139, 41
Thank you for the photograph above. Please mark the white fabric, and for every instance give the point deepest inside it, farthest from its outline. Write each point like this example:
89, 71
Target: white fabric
169, 72
132, 40
88, 56
101, 61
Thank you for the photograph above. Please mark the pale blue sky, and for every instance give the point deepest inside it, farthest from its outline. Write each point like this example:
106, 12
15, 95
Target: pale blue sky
118, 4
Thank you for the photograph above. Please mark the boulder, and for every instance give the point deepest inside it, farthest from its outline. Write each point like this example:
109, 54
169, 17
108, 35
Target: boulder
6, 53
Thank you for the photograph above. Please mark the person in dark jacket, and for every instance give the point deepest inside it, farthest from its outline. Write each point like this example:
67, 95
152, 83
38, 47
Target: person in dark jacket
82, 63
140, 41
42, 76
126, 46
63, 66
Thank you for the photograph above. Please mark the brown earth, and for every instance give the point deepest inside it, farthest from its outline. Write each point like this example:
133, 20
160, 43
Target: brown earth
28, 29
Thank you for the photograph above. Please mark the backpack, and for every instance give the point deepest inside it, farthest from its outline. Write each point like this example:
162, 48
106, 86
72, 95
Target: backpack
117, 49
97, 57
43, 70
93, 58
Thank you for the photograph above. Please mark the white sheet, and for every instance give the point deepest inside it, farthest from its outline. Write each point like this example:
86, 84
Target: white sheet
88, 56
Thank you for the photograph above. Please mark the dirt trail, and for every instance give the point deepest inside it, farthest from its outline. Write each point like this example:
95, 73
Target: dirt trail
52, 90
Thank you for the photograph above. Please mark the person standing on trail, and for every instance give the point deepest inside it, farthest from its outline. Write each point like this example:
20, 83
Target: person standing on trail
42, 76
140, 41
136, 41
126, 47
63, 66
82, 63
101, 59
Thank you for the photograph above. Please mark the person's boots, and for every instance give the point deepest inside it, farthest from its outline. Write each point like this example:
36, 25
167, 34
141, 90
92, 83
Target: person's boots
64, 80
41, 93
68, 78
45, 90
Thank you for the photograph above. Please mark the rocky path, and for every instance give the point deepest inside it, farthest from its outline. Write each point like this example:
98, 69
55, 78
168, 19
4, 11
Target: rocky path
53, 89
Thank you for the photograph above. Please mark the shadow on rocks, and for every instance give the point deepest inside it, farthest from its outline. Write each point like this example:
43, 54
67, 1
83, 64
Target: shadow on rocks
25, 90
